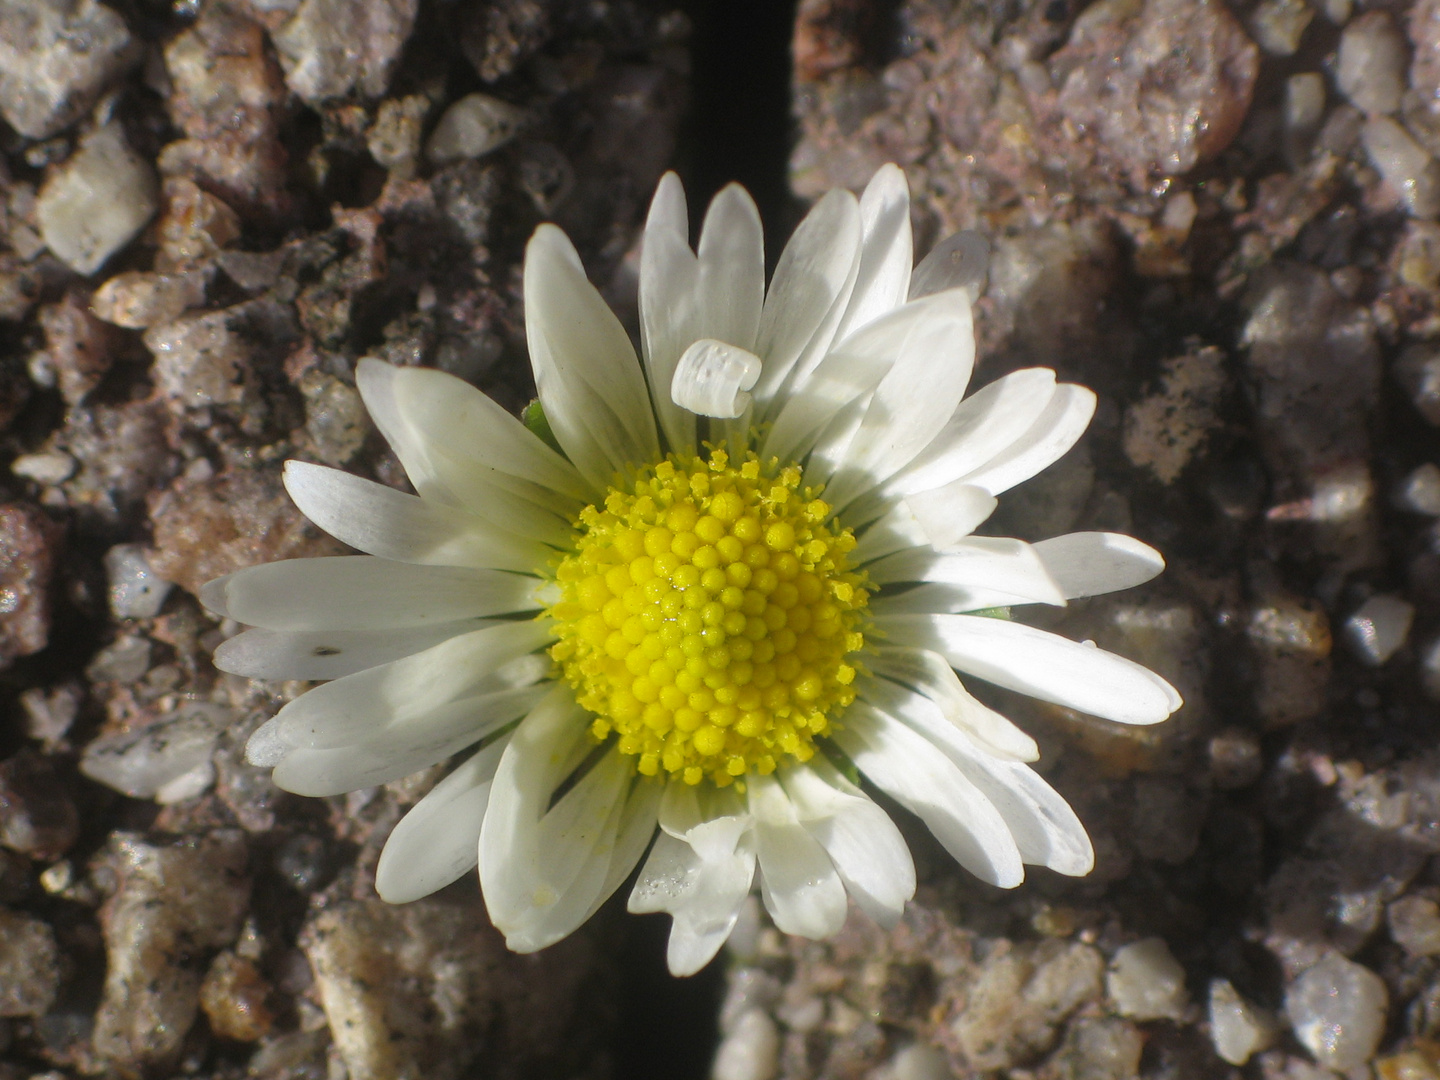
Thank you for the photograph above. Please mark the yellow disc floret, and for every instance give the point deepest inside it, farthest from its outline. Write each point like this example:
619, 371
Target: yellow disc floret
706, 617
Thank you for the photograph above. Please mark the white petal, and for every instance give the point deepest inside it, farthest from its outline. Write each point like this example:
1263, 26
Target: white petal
1050, 438
703, 896
328, 654
929, 674
1040, 664
984, 425
402, 748
843, 377
668, 297
352, 708
428, 418
808, 293
951, 513
798, 882
439, 839
712, 377
544, 868
730, 292
393, 525
1045, 829
906, 766
586, 373
360, 592
960, 261
886, 249
995, 571
1091, 563
867, 849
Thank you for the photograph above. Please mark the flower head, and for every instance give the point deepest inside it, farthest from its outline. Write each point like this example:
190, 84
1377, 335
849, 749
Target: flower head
743, 574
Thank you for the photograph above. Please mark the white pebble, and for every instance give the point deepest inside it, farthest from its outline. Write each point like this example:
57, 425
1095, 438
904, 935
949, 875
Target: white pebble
1237, 1028
136, 592
1415, 925
1337, 1010
168, 760
1279, 24
1147, 982
751, 1050
918, 1061
48, 469
1372, 63
1420, 491
96, 202
473, 127
1379, 627
1408, 169
1304, 103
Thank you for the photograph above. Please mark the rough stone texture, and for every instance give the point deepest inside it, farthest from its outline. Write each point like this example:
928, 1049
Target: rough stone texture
1164, 88
421, 990
78, 346
206, 528
332, 47
1163, 432
28, 550
56, 58
37, 812
172, 906
29, 965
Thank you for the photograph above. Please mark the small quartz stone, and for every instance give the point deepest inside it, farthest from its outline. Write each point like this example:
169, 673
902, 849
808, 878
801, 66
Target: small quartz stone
473, 127
136, 592
1237, 1028
1337, 1009
1279, 24
1379, 628
97, 201
168, 761
1146, 982
29, 965
1372, 63
1415, 925
49, 468
1408, 169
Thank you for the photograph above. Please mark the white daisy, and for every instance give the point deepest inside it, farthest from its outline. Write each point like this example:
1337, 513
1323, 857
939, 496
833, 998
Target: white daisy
747, 572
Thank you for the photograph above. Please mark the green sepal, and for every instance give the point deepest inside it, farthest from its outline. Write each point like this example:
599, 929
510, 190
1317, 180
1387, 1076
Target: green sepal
533, 417
992, 613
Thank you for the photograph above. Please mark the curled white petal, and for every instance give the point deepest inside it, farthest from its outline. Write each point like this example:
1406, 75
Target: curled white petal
712, 378
1092, 563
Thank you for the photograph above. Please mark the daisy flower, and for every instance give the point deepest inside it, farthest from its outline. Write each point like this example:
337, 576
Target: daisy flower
732, 578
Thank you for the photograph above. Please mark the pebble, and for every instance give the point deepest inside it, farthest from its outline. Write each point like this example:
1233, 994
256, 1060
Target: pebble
1415, 925
1166, 84
1304, 110
918, 1061
332, 47
1412, 173
28, 551
1378, 629
173, 905
1099, 1049
1238, 1029
29, 965
473, 127
200, 360
233, 998
78, 346
97, 202
1418, 373
46, 468
56, 58
750, 1050
124, 660
394, 138
1371, 67
136, 591
1166, 430
167, 760
1236, 758
1420, 491
1337, 1009
137, 299
1279, 24
1146, 981
1292, 642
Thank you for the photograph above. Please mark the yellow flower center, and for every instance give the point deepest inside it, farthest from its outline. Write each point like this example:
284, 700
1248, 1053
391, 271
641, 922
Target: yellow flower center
706, 616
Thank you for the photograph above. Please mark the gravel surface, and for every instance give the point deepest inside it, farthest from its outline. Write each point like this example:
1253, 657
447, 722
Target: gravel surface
1220, 216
